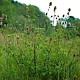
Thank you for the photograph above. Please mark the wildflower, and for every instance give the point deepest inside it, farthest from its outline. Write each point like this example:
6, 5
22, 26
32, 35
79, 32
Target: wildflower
69, 9
50, 4
55, 8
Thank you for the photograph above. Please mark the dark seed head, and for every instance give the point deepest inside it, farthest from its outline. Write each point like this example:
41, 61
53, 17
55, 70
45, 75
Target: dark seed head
57, 15
51, 16
69, 9
63, 15
59, 18
65, 22
54, 15
56, 18
68, 13
55, 8
50, 4
46, 14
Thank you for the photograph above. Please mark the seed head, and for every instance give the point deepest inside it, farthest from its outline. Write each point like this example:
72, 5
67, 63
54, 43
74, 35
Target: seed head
68, 13
54, 15
57, 15
59, 19
51, 16
69, 9
65, 22
46, 14
50, 4
63, 15
55, 8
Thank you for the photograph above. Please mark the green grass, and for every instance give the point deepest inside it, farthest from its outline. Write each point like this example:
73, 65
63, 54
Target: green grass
39, 56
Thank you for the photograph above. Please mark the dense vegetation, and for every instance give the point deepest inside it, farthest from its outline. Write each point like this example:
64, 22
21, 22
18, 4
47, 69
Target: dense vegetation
31, 49
18, 17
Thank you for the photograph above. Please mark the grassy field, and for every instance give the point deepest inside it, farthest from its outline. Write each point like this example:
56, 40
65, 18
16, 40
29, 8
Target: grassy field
39, 55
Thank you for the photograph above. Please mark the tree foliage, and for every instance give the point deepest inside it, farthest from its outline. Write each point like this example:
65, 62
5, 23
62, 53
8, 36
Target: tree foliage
14, 10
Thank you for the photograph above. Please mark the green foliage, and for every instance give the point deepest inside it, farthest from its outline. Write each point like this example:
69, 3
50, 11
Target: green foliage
31, 49
38, 56
15, 10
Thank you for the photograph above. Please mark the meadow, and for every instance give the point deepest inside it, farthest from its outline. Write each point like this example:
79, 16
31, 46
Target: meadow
37, 54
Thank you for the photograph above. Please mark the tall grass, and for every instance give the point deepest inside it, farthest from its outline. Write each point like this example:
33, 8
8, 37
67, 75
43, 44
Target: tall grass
38, 56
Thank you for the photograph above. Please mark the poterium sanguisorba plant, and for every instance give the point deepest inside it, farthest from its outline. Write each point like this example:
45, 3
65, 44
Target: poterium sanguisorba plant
50, 4
68, 13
